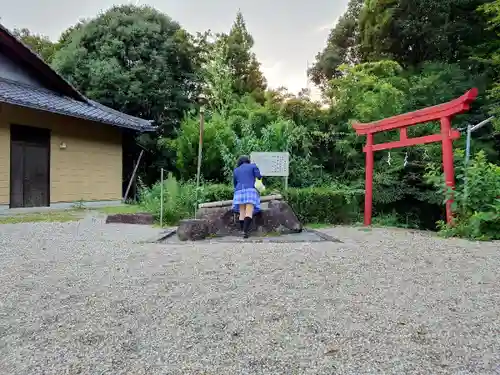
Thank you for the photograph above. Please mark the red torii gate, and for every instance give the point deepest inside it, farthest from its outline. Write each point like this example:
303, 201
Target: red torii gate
443, 112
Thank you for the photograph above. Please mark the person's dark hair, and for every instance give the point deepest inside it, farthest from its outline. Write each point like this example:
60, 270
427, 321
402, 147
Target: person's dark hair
243, 160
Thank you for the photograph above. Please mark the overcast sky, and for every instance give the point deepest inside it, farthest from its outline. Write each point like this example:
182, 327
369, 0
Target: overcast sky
287, 33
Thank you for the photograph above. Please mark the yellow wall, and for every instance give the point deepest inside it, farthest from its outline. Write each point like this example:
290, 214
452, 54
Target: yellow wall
89, 169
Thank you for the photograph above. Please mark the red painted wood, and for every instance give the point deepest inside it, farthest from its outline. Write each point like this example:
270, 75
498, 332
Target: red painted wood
434, 113
443, 113
368, 180
449, 173
403, 134
365, 129
454, 134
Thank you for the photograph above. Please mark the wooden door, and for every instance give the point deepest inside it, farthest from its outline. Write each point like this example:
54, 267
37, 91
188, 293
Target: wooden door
30, 167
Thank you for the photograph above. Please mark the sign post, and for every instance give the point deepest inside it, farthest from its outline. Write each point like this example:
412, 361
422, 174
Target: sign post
272, 164
161, 198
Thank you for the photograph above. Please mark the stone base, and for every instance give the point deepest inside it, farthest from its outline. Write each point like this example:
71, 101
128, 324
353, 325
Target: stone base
192, 230
144, 219
278, 217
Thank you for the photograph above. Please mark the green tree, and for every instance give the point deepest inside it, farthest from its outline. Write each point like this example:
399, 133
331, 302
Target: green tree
139, 61
38, 43
217, 77
241, 60
411, 32
134, 59
492, 11
364, 93
216, 131
341, 46
66, 36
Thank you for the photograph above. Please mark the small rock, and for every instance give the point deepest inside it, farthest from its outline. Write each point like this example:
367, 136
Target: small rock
140, 218
332, 350
192, 230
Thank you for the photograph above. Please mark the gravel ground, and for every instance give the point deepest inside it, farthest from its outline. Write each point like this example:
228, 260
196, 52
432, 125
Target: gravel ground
86, 298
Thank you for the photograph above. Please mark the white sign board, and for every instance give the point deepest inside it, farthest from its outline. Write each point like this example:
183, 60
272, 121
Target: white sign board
271, 163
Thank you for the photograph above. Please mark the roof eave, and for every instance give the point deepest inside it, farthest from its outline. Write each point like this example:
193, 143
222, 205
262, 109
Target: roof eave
28, 56
135, 127
32, 58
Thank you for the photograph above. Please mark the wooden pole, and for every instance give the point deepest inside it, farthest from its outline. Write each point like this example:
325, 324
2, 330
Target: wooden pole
200, 153
161, 198
200, 147
133, 176
369, 179
449, 172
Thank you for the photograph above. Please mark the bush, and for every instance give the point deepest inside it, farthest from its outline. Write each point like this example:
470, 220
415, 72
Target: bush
179, 200
476, 200
216, 192
325, 205
395, 220
312, 205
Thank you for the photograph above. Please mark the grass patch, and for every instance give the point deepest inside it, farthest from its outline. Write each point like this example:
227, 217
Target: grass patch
271, 234
366, 229
48, 217
318, 225
61, 216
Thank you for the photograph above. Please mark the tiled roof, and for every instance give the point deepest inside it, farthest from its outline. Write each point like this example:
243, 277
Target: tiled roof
42, 99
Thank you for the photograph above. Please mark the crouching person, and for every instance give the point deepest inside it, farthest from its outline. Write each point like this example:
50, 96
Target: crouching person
246, 196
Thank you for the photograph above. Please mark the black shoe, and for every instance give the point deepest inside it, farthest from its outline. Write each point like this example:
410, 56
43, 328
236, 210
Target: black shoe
246, 226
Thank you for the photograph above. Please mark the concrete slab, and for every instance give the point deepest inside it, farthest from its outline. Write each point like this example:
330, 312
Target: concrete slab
307, 235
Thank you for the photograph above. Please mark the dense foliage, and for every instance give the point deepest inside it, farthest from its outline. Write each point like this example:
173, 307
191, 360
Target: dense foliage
342, 46
136, 60
312, 205
477, 198
39, 44
412, 32
381, 58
